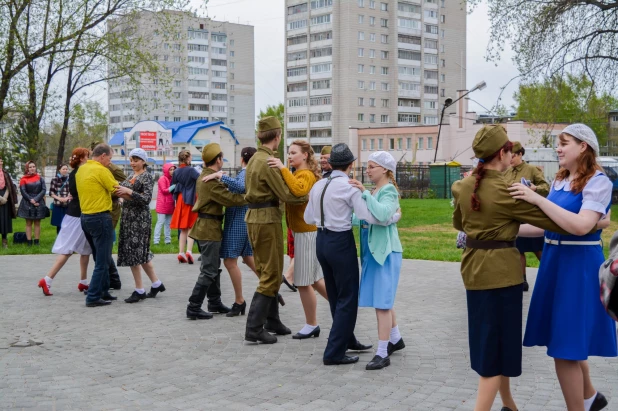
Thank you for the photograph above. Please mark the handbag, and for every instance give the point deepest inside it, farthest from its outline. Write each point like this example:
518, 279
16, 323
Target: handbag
608, 279
19, 238
47, 211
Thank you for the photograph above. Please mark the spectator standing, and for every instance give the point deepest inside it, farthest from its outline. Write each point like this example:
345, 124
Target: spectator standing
32, 206
8, 199
165, 205
59, 191
183, 218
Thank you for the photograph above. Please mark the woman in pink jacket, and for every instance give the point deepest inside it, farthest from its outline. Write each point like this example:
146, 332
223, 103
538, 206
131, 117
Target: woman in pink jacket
165, 204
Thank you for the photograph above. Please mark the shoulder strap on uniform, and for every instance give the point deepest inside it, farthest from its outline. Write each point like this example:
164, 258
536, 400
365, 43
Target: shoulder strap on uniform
322, 200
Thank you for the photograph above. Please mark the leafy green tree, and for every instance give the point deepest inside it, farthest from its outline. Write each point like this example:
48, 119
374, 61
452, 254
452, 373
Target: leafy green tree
570, 100
276, 111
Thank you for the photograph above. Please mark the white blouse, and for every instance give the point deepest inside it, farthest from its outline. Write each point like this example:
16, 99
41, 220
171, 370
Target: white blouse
597, 193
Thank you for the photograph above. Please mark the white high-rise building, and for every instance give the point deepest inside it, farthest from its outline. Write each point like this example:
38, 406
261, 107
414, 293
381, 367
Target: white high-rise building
211, 64
370, 63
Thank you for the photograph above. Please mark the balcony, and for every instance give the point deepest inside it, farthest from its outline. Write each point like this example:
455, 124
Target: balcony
430, 112
431, 35
405, 109
296, 63
293, 94
406, 62
320, 27
297, 126
321, 124
409, 93
297, 47
409, 46
409, 77
431, 82
321, 43
321, 76
199, 113
321, 92
408, 15
296, 79
320, 109
296, 32
429, 96
317, 60
296, 110
405, 124
412, 32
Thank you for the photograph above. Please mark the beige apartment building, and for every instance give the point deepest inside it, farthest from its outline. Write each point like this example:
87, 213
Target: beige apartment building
213, 75
370, 63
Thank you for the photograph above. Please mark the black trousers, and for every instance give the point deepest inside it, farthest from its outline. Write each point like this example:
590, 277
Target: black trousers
209, 281
336, 252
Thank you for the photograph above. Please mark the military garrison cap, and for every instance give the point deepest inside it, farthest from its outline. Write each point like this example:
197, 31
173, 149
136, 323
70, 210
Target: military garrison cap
210, 151
517, 146
326, 150
268, 123
489, 140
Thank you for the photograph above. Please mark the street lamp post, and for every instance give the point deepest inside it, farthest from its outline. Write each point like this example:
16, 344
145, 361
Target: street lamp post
449, 102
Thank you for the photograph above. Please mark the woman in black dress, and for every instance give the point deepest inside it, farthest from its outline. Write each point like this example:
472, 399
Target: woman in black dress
136, 227
59, 191
32, 206
8, 199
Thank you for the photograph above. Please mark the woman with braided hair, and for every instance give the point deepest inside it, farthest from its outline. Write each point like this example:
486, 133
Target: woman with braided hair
490, 266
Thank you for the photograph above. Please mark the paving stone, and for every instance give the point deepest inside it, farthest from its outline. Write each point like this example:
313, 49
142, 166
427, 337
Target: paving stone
148, 356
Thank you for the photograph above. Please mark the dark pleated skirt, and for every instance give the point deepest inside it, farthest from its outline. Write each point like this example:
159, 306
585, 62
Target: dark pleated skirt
6, 221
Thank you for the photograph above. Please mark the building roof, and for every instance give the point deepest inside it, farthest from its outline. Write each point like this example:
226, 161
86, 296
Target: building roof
182, 131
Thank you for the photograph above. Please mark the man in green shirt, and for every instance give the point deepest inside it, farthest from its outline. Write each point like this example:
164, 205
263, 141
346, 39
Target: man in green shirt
520, 169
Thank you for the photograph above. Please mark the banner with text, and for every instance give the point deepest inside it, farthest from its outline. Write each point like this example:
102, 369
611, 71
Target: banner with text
148, 140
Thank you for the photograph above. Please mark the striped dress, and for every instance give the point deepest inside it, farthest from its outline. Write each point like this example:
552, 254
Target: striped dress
235, 241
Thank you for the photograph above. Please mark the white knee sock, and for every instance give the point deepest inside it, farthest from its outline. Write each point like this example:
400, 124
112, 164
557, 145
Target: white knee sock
588, 402
48, 280
395, 336
156, 284
308, 328
382, 348
140, 290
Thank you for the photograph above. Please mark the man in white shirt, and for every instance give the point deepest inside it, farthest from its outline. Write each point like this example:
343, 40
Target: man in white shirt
331, 203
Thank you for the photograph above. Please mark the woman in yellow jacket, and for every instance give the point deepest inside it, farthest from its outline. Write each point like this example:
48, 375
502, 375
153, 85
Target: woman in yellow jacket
307, 271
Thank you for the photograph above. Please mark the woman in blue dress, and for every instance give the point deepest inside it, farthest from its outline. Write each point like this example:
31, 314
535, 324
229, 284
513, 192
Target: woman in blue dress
381, 255
566, 314
235, 241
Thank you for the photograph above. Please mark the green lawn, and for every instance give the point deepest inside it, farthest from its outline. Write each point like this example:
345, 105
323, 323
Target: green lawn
425, 230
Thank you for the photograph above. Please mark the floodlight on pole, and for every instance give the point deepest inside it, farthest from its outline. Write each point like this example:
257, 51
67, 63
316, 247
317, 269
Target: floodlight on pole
449, 102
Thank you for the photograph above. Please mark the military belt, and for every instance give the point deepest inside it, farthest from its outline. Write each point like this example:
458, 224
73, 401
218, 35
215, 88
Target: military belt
210, 216
567, 242
488, 244
268, 204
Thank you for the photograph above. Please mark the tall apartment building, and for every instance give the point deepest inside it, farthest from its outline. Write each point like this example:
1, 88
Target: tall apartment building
366, 63
211, 64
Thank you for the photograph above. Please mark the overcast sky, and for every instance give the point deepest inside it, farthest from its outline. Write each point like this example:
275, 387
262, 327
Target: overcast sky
267, 16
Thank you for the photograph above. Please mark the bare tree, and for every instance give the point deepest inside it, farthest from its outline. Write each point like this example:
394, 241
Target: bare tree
555, 37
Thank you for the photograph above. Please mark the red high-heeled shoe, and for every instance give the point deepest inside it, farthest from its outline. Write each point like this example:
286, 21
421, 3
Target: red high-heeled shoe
82, 287
43, 285
182, 259
189, 258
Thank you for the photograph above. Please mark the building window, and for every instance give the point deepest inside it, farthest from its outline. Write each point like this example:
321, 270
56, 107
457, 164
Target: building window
430, 105
177, 83
372, 21
231, 43
320, 84
431, 44
408, 118
297, 71
301, 118
361, 117
361, 68
372, 102
409, 71
409, 102
383, 119
361, 35
372, 144
297, 40
231, 53
442, 78
431, 89
431, 14
297, 133
442, 18
319, 4
408, 143
409, 55
297, 24
400, 144
385, 87
297, 102
442, 63
324, 35
442, 33
430, 120
429, 143
361, 3
372, 85
292, 87
442, 93
364, 144
383, 22
372, 54
431, 29
321, 52
431, 74
372, 69
410, 24
385, 102
361, 84
391, 143
361, 19
361, 102
372, 37
372, 4
380, 147
372, 118
297, 55
321, 68
324, 132
323, 19
420, 143
385, 71
156, 118
384, 38
320, 117
384, 6
320, 101
441, 48
431, 59
361, 52
408, 8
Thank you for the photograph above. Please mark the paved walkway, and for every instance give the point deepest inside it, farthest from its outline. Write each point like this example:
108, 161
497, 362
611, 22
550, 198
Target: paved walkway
149, 356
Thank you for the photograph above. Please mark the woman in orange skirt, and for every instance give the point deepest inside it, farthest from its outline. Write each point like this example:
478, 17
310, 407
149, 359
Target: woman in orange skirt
183, 187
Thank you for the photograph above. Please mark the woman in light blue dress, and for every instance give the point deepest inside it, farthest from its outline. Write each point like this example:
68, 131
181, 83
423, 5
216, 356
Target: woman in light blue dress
566, 314
381, 255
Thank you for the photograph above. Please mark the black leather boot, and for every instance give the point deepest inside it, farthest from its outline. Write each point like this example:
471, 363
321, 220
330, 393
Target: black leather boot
215, 305
29, 243
273, 323
114, 277
194, 309
257, 317
36, 243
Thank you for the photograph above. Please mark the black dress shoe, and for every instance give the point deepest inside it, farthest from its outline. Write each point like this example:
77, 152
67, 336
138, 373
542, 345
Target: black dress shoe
314, 333
377, 363
109, 297
599, 403
391, 348
115, 285
292, 287
278, 329
135, 298
506, 409
218, 308
345, 360
198, 314
98, 303
357, 346
154, 291
237, 309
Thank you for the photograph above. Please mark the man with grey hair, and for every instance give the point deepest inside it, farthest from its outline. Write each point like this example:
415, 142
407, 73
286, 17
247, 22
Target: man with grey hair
95, 185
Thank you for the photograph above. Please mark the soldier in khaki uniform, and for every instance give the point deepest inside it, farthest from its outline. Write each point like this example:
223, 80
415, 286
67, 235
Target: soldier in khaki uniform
265, 188
490, 266
212, 196
520, 169
120, 176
